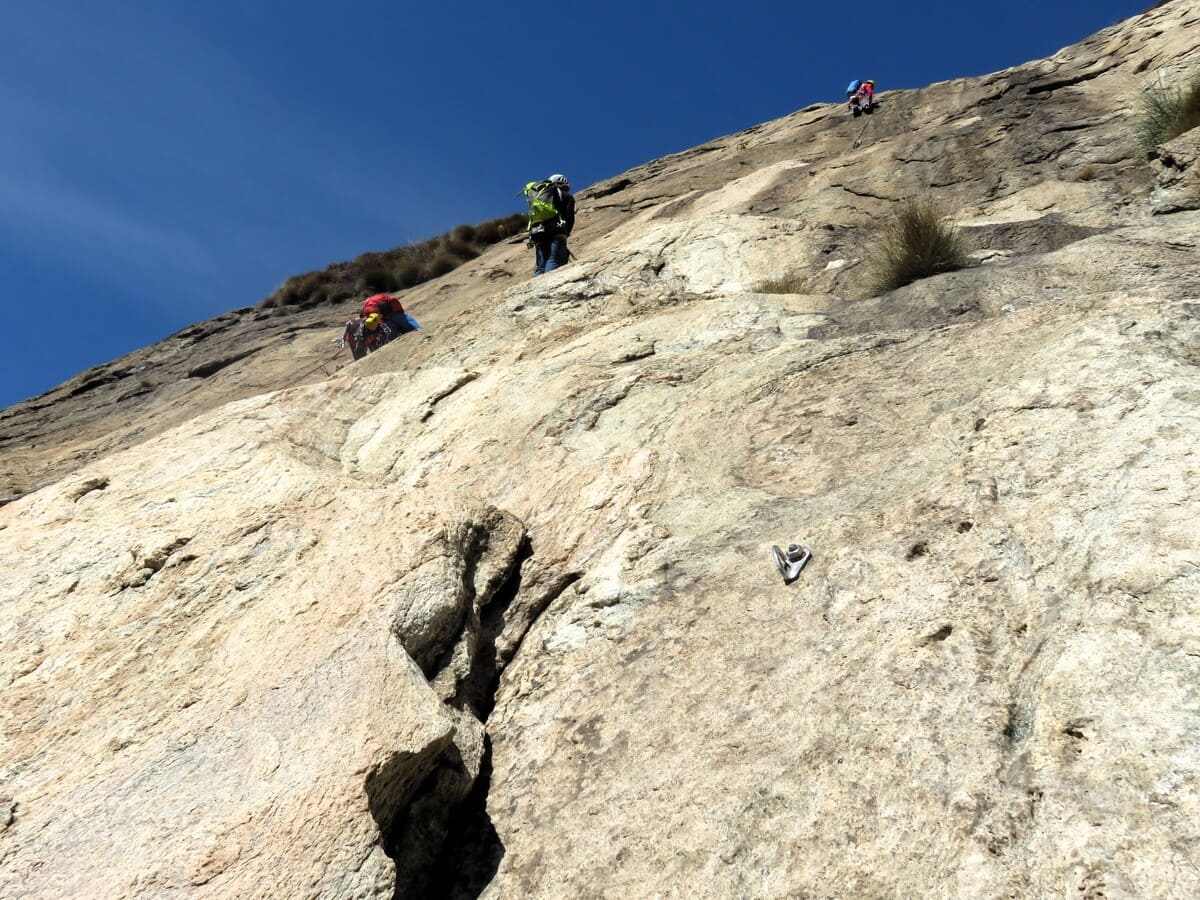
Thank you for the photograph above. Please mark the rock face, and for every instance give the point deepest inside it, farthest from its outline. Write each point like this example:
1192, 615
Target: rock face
492, 611
1178, 174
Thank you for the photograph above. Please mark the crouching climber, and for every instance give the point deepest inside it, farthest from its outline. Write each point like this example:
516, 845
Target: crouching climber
390, 314
861, 96
551, 218
381, 319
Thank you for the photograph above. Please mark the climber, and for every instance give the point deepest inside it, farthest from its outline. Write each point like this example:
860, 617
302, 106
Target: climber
551, 218
385, 311
861, 96
382, 318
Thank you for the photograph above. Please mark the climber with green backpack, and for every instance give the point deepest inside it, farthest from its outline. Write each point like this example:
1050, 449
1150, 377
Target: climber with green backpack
551, 218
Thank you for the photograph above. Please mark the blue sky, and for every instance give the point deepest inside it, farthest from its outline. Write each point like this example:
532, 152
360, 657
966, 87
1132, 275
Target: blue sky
163, 162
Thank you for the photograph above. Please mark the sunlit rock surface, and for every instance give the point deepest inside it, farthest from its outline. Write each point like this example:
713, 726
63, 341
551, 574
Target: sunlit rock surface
493, 611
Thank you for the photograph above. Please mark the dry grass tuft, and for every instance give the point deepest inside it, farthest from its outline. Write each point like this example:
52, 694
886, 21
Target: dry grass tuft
915, 243
788, 284
1166, 113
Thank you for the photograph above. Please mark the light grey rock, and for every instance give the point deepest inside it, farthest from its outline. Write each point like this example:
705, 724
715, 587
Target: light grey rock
1178, 185
491, 612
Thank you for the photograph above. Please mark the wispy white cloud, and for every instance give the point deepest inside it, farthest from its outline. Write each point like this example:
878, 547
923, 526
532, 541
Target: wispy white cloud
152, 146
37, 210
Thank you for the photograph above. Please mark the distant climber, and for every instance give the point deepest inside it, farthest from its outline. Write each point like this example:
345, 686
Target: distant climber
382, 318
551, 218
861, 97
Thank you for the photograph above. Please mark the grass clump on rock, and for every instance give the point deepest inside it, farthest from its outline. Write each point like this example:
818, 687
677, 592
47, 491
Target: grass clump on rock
915, 243
787, 284
393, 270
1167, 112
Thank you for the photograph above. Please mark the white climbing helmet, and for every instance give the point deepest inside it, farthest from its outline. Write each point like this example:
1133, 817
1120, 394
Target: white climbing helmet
558, 181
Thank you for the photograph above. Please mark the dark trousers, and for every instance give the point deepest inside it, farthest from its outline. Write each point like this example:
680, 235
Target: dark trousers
551, 253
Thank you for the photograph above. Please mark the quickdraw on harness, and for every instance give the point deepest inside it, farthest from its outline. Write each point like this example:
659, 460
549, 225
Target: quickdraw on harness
362, 338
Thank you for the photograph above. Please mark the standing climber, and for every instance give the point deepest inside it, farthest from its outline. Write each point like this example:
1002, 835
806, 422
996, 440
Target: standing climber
384, 309
861, 96
551, 218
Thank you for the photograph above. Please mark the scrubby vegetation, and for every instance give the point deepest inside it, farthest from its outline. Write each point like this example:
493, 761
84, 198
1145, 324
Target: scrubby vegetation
394, 270
1167, 112
915, 243
787, 284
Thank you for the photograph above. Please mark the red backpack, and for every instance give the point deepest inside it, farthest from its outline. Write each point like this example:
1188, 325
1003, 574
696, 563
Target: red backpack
383, 304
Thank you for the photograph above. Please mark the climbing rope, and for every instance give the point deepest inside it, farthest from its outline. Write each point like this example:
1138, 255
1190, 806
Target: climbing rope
320, 365
869, 117
858, 140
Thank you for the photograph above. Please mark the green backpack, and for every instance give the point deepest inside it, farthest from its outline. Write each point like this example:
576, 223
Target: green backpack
540, 196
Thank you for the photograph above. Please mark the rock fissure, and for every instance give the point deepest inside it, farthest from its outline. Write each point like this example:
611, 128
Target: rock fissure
440, 836
148, 564
460, 382
1058, 84
475, 690
97, 380
857, 347
212, 367
1069, 126
864, 194
471, 850
634, 356
596, 193
91, 485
